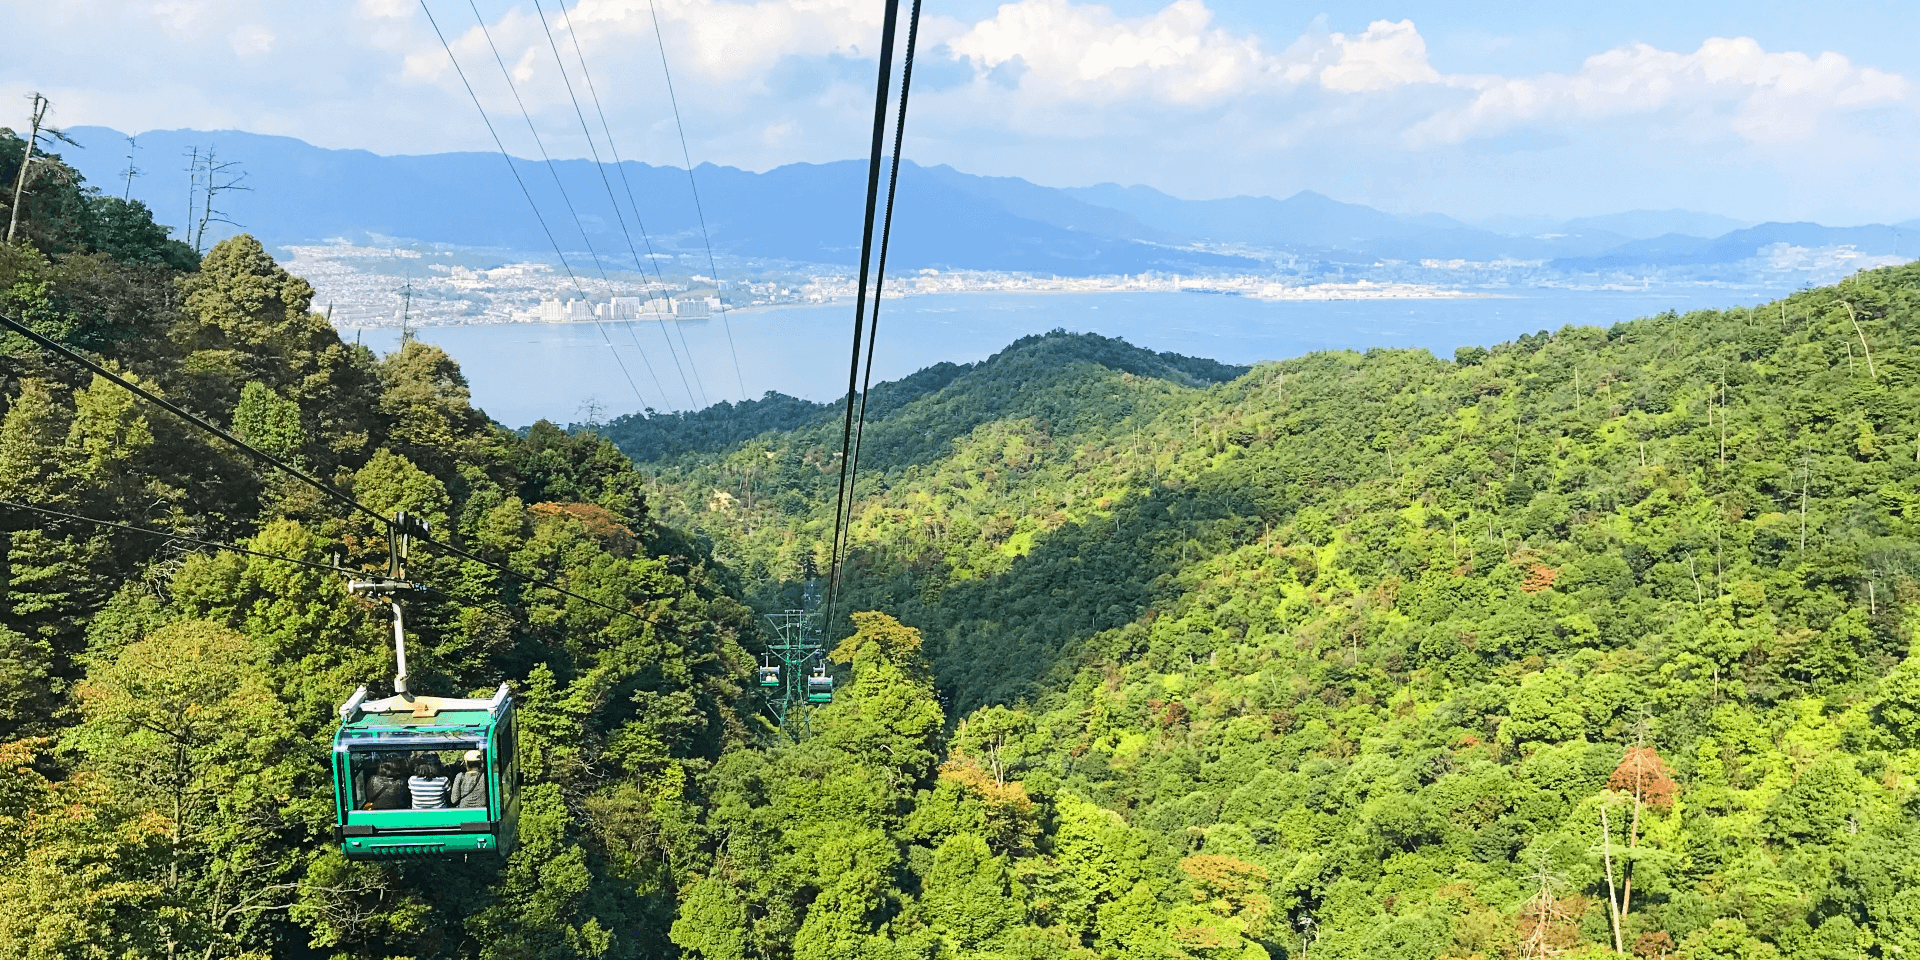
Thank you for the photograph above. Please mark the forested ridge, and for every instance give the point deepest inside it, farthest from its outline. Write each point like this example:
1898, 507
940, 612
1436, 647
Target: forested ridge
166, 710
1594, 638
1597, 638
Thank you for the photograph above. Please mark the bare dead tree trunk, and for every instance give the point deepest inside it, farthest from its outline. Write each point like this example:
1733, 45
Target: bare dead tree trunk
1805, 470
1606, 854
132, 171
221, 177
1863, 339
40, 105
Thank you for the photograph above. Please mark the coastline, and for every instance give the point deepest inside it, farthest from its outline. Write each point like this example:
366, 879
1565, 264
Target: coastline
1266, 293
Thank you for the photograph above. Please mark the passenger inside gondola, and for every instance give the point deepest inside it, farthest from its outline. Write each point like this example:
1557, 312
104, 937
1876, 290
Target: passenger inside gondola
387, 788
429, 783
470, 784
419, 779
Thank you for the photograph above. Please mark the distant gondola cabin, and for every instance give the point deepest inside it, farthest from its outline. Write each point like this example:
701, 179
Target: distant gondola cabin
820, 688
426, 777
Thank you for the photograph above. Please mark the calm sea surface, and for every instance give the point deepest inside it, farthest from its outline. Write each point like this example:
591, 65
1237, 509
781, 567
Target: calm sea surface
524, 372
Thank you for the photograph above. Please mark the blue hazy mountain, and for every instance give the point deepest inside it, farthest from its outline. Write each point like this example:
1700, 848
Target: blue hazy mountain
810, 213
1314, 221
799, 212
1647, 224
1675, 249
1305, 219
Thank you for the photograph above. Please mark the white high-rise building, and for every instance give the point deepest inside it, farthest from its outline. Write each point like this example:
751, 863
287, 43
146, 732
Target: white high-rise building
571, 310
693, 308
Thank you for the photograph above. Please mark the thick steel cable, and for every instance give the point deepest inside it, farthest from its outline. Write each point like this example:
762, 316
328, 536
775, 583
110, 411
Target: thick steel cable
183, 538
841, 509
271, 460
886, 235
692, 184
71, 354
326, 568
602, 168
565, 198
524, 578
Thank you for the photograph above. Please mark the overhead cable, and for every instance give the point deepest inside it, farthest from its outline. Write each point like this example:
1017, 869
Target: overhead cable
524, 578
886, 235
309, 564
687, 156
632, 204
564, 264
169, 535
602, 168
62, 349
280, 464
842, 506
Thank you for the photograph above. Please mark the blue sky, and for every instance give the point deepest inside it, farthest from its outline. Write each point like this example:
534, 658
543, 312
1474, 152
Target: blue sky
1758, 110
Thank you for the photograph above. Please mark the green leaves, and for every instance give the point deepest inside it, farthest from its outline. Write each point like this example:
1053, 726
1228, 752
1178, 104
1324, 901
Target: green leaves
1380, 624
268, 421
968, 895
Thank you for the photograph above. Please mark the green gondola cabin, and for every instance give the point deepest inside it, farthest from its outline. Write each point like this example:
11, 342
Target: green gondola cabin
380, 743
820, 687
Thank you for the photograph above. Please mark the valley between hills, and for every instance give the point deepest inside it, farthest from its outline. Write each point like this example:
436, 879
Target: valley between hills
1595, 641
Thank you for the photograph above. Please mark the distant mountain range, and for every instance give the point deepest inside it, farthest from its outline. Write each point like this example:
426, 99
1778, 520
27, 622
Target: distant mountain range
1633, 224
810, 213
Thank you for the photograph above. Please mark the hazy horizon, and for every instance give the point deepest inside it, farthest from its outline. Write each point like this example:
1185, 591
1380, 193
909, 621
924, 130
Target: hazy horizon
1756, 114
1516, 224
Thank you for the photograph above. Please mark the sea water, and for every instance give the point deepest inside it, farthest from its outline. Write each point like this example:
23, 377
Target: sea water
575, 372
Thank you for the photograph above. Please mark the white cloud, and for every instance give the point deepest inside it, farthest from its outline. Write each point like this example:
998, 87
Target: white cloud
732, 40
180, 17
386, 9
1762, 97
249, 40
1057, 90
1084, 52
1387, 55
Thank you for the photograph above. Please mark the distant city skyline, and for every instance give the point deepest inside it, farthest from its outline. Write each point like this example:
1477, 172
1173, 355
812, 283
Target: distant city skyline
1756, 111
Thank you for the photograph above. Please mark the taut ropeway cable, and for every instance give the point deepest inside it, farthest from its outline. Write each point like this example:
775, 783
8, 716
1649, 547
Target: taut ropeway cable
886, 235
331, 491
619, 217
693, 185
62, 349
568, 267
843, 507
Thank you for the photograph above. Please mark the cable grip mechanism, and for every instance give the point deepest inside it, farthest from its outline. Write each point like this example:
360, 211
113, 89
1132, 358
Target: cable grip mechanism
394, 586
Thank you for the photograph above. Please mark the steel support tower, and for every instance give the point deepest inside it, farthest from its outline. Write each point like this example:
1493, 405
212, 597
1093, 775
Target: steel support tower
797, 649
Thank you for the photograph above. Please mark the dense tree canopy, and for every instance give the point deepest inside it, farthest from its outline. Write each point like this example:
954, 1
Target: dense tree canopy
165, 711
1593, 642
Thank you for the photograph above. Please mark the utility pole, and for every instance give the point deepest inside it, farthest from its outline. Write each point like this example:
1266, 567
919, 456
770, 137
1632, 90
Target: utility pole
132, 171
193, 184
40, 105
406, 311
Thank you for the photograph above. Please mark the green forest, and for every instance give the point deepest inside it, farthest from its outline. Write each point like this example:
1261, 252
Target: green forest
1591, 643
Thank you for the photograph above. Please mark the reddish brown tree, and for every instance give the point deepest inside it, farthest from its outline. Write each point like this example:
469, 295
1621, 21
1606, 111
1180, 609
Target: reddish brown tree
1643, 776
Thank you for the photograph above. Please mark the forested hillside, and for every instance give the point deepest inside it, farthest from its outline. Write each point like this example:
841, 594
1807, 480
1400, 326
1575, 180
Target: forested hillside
1594, 640
166, 711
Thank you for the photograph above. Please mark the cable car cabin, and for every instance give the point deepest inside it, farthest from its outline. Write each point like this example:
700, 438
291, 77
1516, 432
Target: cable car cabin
387, 803
770, 677
820, 688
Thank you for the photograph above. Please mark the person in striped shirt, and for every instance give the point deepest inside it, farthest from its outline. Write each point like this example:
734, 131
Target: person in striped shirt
428, 784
